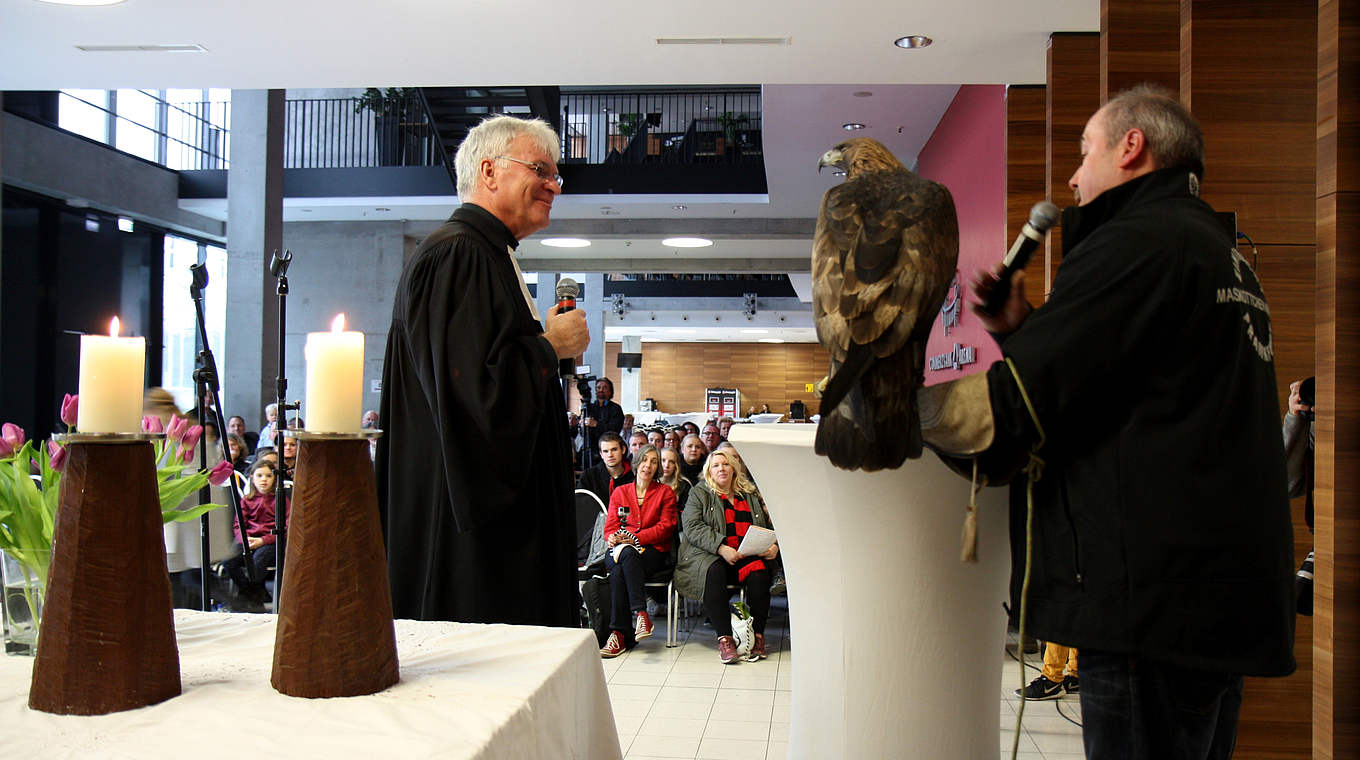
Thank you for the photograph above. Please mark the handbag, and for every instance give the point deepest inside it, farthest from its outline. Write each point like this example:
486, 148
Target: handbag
743, 628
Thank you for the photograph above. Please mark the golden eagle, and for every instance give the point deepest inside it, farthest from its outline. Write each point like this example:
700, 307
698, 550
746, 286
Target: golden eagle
885, 251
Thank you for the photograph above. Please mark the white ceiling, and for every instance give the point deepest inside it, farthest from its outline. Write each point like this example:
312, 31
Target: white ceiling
832, 51
347, 43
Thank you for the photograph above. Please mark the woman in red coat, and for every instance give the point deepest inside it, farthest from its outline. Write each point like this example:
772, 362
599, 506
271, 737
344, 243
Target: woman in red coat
640, 530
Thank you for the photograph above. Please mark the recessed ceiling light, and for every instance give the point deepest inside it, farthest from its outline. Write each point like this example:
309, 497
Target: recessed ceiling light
771, 340
838, 173
851, 126
687, 242
382, 208
755, 332
565, 242
862, 94
170, 48
679, 207
913, 42
81, 2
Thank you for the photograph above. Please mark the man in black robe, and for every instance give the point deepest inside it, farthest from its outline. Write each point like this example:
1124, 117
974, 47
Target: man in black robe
474, 469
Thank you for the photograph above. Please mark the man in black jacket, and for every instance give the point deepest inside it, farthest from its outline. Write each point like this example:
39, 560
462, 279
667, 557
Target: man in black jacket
613, 470
1141, 401
600, 416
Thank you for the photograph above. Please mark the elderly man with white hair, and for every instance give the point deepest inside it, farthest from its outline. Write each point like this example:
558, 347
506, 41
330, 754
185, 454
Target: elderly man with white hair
474, 467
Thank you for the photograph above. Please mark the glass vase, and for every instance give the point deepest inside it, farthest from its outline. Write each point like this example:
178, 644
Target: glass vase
22, 606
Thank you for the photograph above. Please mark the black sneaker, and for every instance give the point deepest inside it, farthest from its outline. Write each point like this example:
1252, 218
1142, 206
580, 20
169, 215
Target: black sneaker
1040, 689
1071, 684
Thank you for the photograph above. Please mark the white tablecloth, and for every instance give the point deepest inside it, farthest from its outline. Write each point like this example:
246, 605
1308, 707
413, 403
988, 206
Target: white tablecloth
466, 691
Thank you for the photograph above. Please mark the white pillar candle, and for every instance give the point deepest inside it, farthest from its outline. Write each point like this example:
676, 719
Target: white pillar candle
111, 373
335, 380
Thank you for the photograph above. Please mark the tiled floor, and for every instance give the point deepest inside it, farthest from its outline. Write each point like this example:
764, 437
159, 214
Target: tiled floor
683, 702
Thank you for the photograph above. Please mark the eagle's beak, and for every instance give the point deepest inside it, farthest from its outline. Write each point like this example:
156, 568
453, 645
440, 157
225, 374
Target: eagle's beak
832, 157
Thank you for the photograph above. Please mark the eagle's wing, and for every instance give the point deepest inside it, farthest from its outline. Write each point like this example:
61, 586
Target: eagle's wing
883, 255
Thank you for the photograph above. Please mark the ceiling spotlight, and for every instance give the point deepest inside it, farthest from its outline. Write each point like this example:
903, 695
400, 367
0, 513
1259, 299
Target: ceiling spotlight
913, 42
686, 242
851, 126
679, 207
565, 242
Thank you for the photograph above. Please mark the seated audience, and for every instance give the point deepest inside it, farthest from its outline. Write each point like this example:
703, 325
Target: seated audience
717, 515
236, 425
671, 440
289, 462
656, 438
612, 471
271, 426
240, 451
627, 428
640, 529
692, 453
691, 428
670, 475
258, 506
636, 441
725, 426
370, 420
712, 436
266, 454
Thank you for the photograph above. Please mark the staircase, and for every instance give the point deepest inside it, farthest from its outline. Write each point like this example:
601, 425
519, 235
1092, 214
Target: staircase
456, 110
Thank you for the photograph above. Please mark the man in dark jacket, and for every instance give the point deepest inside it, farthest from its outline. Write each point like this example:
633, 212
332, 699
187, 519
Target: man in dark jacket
1142, 397
474, 469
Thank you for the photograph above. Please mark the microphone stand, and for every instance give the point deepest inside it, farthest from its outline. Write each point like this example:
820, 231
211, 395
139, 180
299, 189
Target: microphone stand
278, 266
205, 379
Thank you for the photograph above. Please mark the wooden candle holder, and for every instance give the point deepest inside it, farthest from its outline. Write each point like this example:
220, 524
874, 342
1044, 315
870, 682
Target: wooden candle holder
107, 640
335, 635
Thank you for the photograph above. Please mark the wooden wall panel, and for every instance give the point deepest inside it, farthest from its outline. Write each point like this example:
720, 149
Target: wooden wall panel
1258, 111
1026, 167
1140, 41
1073, 96
1336, 639
676, 374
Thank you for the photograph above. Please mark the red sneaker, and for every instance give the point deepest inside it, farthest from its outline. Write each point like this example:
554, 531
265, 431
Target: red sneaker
643, 628
757, 649
727, 649
613, 646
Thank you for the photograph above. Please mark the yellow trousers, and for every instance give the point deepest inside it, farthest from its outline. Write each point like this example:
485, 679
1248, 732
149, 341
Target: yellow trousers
1056, 657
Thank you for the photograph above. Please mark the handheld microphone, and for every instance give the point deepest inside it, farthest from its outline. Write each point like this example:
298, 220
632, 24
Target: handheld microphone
567, 292
1041, 218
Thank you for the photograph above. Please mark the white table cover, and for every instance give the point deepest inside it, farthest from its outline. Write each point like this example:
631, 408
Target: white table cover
897, 645
466, 691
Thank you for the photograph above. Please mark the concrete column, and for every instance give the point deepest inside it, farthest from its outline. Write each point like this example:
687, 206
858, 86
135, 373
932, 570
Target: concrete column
630, 380
546, 297
254, 232
594, 306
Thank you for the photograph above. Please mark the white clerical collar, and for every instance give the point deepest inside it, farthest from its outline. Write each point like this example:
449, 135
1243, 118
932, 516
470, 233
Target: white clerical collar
523, 288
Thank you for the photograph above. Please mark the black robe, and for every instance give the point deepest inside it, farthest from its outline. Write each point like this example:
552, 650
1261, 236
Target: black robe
474, 467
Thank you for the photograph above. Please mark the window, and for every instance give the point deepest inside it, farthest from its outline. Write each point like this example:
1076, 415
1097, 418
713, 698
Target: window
180, 335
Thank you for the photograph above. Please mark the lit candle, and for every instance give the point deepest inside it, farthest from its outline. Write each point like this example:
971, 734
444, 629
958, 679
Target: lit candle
111, 374
335, 379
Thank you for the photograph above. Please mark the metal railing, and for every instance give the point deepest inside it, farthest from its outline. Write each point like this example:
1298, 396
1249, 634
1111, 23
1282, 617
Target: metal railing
181, 135
664, 127
331, 133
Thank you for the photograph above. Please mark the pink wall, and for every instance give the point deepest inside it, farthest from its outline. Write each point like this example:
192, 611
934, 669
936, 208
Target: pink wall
967, 154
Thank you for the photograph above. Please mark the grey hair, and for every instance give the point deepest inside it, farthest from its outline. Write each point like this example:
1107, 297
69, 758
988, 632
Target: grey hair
1173, 135
491, 138
642, 453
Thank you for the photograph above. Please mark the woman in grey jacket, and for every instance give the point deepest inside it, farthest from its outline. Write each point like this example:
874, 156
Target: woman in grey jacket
718, 512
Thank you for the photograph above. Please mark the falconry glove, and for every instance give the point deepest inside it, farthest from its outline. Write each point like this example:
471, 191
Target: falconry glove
956, 417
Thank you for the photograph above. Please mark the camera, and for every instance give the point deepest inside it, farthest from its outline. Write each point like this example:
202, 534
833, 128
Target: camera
1308, 395
584, 385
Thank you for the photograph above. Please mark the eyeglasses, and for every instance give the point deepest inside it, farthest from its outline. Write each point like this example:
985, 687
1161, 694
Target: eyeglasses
537, 168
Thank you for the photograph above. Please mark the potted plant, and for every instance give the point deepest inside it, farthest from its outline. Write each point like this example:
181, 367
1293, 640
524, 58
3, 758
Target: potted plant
390, 107
730, 124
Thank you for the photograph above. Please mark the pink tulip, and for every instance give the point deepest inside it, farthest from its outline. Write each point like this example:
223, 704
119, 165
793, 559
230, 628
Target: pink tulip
69, 408
11, 438
219, 474
175, 430
56, 456
189, 441
152, 424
